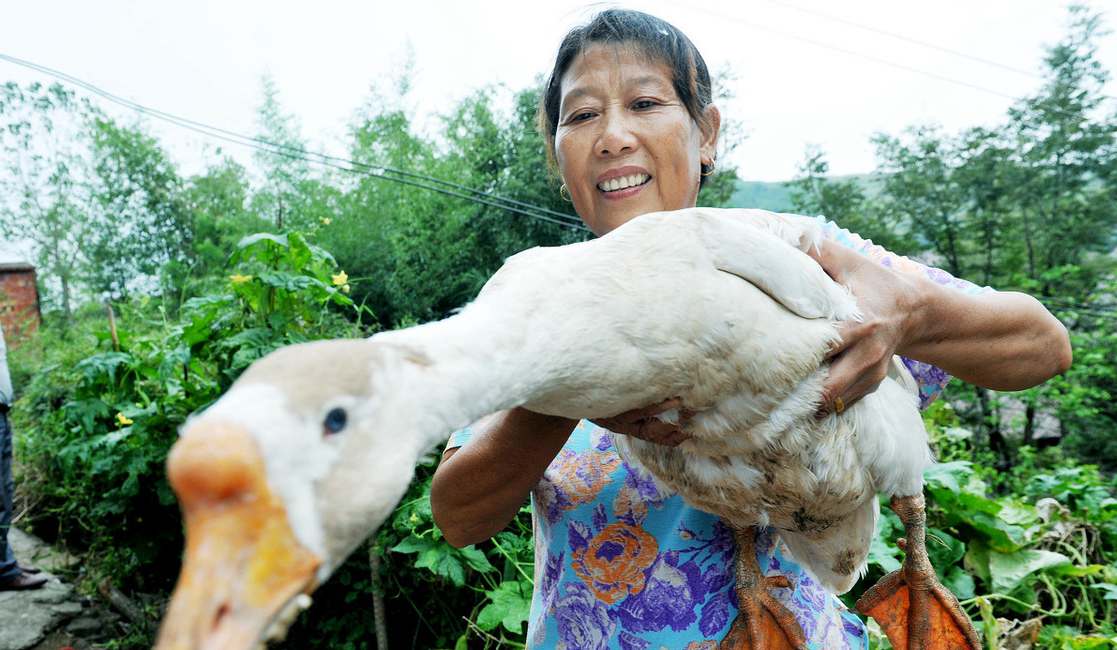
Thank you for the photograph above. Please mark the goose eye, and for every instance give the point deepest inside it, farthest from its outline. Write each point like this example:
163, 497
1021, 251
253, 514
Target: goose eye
335, 420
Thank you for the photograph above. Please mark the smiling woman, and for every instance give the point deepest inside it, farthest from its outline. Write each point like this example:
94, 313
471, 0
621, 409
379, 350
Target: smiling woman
621, 561
630, 122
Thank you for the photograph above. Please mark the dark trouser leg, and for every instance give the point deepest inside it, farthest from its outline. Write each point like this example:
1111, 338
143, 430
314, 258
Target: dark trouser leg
8, 566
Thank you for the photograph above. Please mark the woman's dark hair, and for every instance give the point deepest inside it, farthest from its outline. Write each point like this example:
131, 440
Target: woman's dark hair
655, 38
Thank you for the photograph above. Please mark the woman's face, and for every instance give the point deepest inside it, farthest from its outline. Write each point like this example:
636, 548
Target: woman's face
625, 143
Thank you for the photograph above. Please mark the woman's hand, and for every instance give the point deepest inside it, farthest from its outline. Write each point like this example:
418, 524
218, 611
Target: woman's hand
887, 301
642, 423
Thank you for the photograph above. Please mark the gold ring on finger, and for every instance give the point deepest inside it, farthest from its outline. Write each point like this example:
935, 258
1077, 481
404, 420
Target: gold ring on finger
839, 405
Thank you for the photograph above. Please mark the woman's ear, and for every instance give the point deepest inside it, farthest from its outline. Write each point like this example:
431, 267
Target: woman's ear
710, 130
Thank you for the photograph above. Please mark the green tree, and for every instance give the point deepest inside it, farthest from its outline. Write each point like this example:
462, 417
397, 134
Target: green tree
283, 170
985, 175
217, 202
46, 196
921, 191
1028, 205
1066, 196
847, 203
140, 235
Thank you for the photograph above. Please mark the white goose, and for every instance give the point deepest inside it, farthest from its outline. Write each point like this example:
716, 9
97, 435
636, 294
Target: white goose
313, 446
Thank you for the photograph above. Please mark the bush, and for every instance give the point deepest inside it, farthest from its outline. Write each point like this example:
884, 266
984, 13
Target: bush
100, 413
1044, 550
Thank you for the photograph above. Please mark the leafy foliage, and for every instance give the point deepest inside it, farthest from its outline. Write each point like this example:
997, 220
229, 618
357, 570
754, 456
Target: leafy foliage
97, 420
1044, 550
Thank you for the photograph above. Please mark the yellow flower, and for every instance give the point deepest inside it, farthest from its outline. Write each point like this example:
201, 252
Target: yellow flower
123, 420
340, 279
326, 221
345, 288
237, 278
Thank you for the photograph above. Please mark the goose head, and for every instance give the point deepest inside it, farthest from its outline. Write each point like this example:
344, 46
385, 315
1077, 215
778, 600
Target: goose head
281, 478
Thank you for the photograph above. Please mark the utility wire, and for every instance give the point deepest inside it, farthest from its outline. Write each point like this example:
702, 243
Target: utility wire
901, 37
927, 44
383, 172
870, 57
830, 46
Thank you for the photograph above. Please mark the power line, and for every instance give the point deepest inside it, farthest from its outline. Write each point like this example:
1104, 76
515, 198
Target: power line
901, 37
838, 48
382, 172
870, 57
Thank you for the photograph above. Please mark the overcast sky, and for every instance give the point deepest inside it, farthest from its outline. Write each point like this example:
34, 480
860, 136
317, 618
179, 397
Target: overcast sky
802, 77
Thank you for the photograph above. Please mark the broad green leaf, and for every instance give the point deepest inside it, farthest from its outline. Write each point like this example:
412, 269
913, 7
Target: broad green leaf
1021, 514
245, 242
883, 551
976, 560
1009, 569
476, 559
412, 544
293, 282
110, 439
943, 549
960, 583
1109, 589
984, 515
441, 561
509, 604
886, 556
957, 433
948, 476
1076, 571
1002, 536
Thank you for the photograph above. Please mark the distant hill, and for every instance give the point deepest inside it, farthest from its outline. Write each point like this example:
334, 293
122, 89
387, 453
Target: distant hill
777, 196
756, 194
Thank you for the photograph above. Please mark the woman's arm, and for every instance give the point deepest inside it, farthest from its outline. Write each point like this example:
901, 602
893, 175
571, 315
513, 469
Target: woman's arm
1000, 340
478, 488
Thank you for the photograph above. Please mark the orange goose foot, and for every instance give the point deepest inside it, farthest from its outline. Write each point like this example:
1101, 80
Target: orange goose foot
910, 604
762, 622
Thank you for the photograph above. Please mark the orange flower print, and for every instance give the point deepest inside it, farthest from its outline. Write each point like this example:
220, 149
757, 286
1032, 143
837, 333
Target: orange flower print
629, 506
574, 479
612, 562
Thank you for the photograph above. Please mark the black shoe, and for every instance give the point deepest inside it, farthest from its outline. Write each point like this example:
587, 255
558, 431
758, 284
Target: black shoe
22, 581
27, 568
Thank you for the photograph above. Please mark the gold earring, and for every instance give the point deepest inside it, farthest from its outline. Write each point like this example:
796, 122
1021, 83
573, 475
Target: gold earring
708, 168
564, 193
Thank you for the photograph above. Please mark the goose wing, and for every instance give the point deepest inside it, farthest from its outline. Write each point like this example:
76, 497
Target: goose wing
767, 250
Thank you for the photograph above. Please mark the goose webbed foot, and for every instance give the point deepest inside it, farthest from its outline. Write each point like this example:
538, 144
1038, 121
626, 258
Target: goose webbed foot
762, 622
910, 604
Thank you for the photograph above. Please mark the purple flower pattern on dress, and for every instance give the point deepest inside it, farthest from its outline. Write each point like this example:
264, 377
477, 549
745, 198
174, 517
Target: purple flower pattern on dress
669, 598
583, 621
684, 596
630, 641
931, 380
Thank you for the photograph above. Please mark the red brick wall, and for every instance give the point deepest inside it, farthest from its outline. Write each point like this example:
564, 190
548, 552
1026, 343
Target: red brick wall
19, 303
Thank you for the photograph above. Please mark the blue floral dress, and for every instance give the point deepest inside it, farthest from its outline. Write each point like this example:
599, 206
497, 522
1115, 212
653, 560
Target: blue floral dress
623, 564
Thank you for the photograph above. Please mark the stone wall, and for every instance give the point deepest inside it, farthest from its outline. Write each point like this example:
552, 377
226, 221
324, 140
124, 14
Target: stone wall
19, 301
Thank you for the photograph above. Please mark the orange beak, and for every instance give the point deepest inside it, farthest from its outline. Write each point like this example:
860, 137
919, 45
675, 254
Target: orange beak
244, 570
